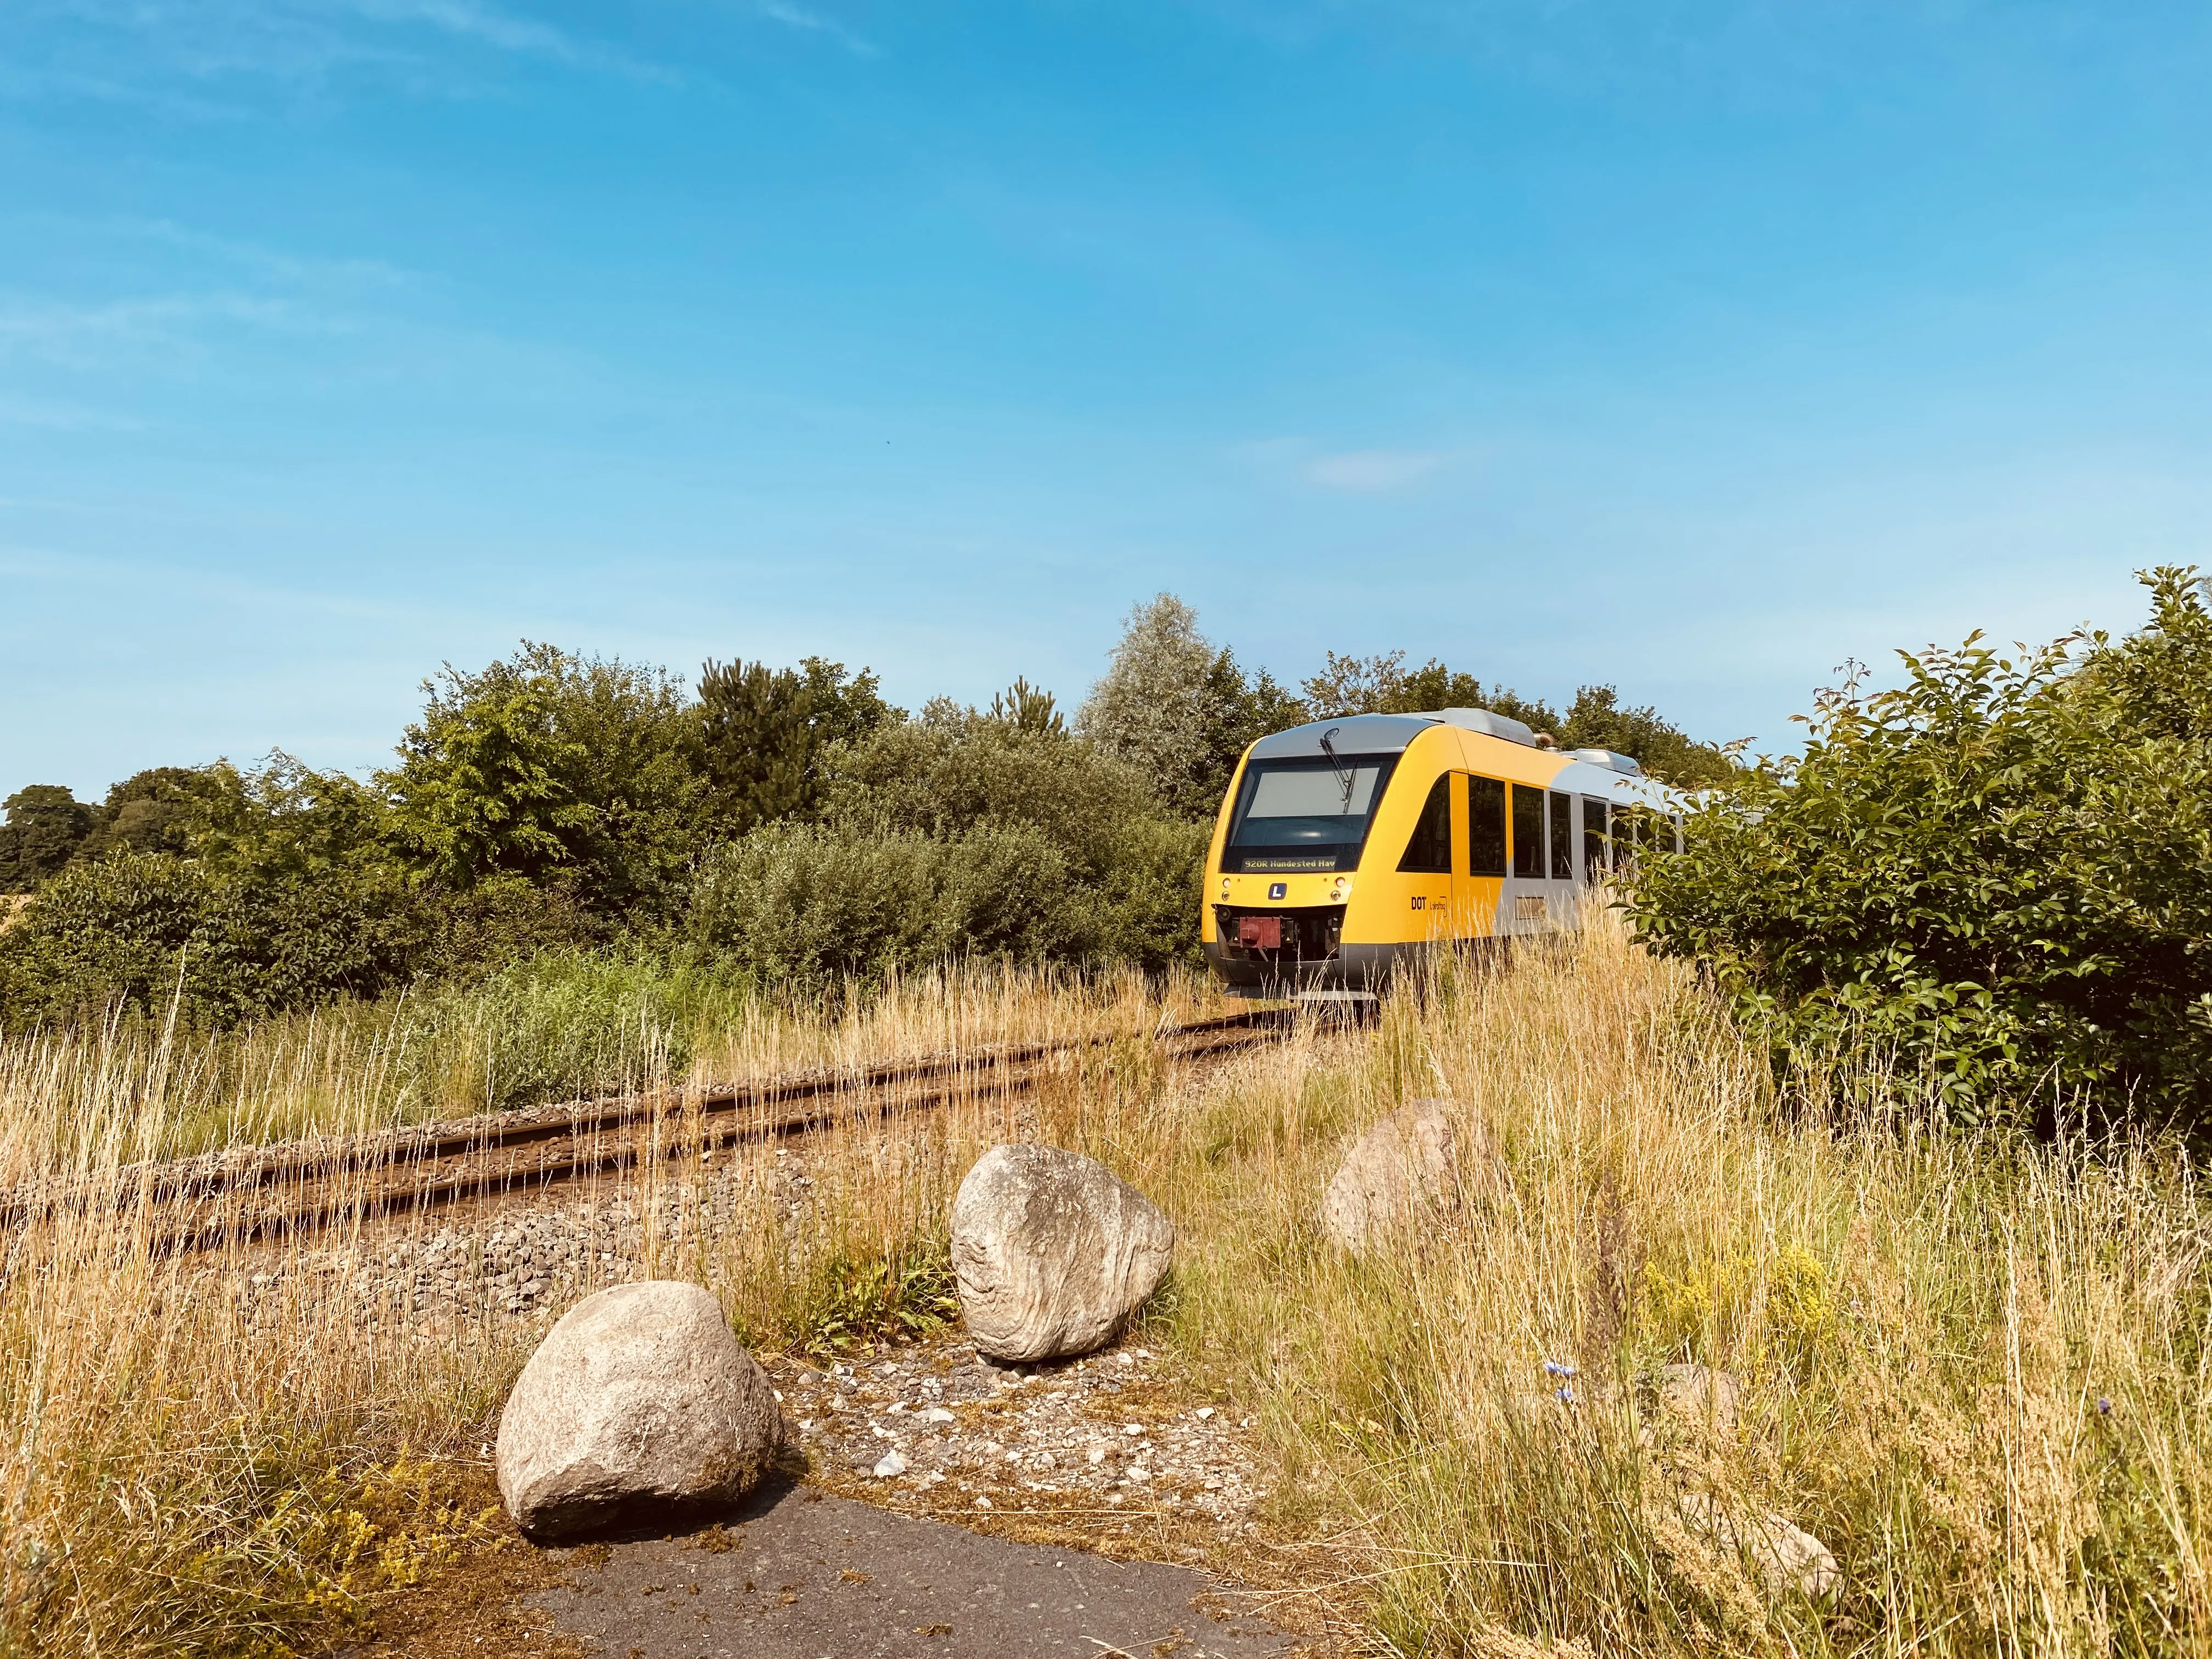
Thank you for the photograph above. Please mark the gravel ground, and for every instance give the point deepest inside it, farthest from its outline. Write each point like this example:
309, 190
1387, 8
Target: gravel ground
1113, 1440
516, 1260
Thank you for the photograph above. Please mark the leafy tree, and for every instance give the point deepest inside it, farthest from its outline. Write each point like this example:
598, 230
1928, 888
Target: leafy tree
2000, 873
149, 812
1179, 710
546, 764
761, 731
284, 819
45, 826
1159, 707
1598, 722
1248, 708
1383, 684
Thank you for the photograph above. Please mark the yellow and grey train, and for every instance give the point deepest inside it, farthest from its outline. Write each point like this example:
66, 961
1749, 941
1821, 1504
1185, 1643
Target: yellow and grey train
1347, 848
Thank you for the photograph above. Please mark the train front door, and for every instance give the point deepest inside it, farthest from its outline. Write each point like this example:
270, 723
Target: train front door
1479, 860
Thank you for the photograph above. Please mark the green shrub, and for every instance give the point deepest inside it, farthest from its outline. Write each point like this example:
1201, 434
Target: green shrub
2000, 873
814, 903
849, 1298
959, 834
953, 769
102, 931
143, 929
1146, 899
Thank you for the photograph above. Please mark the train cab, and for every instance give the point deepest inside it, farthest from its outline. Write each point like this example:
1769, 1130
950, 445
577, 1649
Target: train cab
1347, 848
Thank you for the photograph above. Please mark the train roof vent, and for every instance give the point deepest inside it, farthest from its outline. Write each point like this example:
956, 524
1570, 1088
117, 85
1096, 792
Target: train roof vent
1482, 720
1617, 761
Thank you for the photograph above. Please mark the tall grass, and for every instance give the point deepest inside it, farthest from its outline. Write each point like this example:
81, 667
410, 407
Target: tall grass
561, 1026
1929, 1331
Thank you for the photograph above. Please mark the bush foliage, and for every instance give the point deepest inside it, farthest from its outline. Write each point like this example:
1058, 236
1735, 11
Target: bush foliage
2000, 870
786, 824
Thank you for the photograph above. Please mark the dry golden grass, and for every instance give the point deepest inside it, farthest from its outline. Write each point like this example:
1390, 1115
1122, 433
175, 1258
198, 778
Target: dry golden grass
1929, 1331
568, 1027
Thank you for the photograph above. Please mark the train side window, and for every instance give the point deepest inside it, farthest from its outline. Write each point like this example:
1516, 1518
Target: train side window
1563, 837
1528, 832
1486, 827
1595, 847
1429, 852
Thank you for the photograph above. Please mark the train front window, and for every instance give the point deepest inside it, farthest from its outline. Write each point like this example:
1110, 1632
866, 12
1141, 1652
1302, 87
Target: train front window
1305, 814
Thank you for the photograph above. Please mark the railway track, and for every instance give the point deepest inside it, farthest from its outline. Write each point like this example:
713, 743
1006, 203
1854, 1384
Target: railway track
242, 1198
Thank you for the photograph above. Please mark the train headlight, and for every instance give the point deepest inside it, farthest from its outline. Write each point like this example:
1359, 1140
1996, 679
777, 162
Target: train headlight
1224, 887
1342, 890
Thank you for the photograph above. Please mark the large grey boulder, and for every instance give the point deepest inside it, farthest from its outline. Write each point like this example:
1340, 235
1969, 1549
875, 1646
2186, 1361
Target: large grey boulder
1052, 1252
1403, 1167
640, 1401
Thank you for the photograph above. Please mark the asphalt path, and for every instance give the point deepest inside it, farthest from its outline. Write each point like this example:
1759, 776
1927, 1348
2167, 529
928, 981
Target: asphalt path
797, 1574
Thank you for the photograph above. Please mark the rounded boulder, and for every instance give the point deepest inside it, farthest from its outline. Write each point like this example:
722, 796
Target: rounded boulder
1052, 1252
640, 1403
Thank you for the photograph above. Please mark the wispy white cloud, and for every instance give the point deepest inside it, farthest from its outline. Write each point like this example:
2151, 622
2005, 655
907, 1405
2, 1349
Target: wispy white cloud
799, 17
319, 273
145, 51
1372, 471
508, 32
75, 332
50, 417
1375, 471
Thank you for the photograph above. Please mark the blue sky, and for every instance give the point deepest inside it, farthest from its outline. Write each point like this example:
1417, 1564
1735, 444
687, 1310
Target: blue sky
1693, 347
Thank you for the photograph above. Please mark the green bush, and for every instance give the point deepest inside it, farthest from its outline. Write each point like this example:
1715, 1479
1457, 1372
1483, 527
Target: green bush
1146, 899
814, 903
959, 834
146, 929
953, 769
2000, 873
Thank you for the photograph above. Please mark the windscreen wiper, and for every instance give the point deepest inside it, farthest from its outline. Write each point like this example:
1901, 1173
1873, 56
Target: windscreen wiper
1344, 777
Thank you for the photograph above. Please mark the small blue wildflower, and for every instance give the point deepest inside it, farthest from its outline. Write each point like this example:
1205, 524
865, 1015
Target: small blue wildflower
1566, 1395
1553, 1368
2103, 1406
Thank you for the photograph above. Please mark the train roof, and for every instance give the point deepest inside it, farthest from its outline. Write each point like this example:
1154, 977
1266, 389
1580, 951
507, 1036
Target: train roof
1593, 771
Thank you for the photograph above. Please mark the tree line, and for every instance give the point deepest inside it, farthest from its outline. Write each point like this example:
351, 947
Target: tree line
790, 820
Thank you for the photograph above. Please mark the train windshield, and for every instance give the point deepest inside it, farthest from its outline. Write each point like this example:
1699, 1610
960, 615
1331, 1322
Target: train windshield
1305, 814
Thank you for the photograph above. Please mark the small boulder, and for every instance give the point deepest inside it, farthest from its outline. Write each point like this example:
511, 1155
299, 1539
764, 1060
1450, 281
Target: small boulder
1788, 1556
638, 1402
1405, 1165
1700, 1396
1052, 1252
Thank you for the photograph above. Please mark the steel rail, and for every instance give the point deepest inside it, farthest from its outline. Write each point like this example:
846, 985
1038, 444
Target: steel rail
208, 1203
